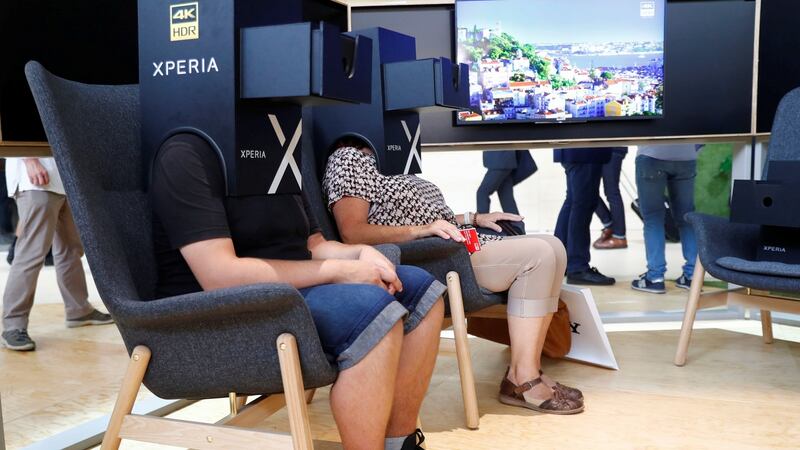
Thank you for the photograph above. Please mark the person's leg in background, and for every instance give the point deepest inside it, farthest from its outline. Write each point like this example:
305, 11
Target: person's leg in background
562, 223
6, 227
71, 279
506, 194
616, 216
38, 217
680, 186
604, 214
583, 184
491, 183
651, 182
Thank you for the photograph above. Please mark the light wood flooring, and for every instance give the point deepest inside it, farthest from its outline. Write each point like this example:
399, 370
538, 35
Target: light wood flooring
735, 392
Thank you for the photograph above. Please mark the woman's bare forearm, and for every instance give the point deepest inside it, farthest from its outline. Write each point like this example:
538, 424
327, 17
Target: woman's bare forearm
367, 233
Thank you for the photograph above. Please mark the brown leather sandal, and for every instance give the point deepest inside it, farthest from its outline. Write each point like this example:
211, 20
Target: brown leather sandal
557, 403
569, 392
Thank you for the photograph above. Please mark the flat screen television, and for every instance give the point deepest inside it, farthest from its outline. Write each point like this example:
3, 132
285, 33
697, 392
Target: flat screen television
561, 60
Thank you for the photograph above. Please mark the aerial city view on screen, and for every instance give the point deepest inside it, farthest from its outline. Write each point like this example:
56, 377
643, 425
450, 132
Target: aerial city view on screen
562, 60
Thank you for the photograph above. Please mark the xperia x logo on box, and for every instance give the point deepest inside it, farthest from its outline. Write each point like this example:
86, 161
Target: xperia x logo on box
184, 21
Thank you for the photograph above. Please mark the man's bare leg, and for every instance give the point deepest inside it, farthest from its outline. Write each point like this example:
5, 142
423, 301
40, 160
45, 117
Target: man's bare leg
361, 398
417, 359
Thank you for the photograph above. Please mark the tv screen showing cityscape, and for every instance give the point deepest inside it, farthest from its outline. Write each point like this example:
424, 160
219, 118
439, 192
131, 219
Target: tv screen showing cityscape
561, 60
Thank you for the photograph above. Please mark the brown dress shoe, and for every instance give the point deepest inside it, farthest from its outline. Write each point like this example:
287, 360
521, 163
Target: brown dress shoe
604, 236
611, 243
569, 392
547, 400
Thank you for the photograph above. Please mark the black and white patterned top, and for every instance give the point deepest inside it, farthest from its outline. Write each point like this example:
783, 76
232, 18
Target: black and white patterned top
394, 200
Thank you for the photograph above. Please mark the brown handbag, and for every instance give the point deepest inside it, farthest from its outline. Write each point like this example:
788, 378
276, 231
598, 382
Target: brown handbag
556, 344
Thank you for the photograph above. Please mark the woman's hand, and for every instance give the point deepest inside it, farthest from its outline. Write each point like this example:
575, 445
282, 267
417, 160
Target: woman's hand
367, 272
443, 229
36, 172
490, 220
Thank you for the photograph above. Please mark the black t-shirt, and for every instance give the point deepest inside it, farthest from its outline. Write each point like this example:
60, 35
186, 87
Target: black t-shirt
189, 205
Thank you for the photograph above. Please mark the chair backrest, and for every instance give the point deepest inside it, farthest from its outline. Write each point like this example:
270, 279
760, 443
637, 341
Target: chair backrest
784, 145
312, 186
93, 131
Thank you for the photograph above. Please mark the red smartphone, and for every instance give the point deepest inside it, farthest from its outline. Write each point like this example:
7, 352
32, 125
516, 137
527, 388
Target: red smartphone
471, 239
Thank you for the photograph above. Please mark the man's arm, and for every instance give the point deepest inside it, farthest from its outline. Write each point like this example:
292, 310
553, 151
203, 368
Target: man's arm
351, 218
323, 249
215, 265
36, 172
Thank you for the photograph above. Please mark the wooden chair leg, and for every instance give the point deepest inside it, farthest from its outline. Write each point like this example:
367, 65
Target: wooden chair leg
468, 393
310, 395
690, 313
766, 326
236, 402
134, 375
292, 377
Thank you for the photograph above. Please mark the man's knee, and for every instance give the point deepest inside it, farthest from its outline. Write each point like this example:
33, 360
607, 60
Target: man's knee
435, 315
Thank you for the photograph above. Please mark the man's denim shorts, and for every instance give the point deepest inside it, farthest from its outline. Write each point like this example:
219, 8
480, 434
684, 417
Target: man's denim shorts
352, 318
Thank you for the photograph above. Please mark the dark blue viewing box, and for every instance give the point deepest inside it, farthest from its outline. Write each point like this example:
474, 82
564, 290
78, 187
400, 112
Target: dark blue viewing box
237, 72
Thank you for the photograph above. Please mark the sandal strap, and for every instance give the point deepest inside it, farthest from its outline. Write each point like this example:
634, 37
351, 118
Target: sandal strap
528, 385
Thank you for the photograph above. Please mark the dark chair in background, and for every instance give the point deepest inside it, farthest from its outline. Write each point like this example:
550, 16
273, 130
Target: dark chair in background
249, 340
448, 261
718, 238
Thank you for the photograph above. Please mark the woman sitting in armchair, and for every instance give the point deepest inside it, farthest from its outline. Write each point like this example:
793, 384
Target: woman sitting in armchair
372, 208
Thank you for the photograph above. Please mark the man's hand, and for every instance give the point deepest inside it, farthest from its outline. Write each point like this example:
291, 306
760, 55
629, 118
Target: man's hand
36, 172
367, 272
370, 254
490, 220
443, 229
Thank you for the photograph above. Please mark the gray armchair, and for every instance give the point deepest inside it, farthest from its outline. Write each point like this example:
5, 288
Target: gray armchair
257, 339
717, 238
448, 261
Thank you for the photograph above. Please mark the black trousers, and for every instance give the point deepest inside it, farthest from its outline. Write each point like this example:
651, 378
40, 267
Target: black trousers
612, 215
502, 182
583, 193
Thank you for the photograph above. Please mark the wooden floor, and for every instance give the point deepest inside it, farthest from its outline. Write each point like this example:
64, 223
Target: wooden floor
735, 393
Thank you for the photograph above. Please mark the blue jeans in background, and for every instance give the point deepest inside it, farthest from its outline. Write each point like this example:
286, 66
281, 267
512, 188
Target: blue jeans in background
613, 215
653, 177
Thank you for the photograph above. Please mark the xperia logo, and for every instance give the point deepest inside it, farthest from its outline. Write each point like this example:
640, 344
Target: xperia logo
184, 67
770, 248
253, 154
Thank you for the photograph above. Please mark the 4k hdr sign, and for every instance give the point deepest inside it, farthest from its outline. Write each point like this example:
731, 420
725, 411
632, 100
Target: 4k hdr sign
184, 21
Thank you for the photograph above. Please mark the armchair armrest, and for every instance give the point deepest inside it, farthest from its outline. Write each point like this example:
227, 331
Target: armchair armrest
210, 343
208, 305
431, 248
440, 256
390, 251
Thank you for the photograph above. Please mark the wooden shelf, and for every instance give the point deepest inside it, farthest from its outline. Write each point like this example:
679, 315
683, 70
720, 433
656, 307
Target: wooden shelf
604, 142
10, 149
